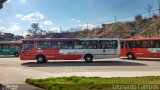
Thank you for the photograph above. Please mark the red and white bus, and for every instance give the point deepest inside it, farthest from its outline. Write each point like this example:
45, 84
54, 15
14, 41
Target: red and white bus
140, 48
43, 50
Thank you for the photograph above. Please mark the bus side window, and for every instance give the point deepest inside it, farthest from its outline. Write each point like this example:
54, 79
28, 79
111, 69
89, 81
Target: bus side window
68, 45
5, 46
114, 44
27, 46
131, 44
41, 45
91, 44
104, 44
139, 44
79, 45
156, 44
146, 44
54, 45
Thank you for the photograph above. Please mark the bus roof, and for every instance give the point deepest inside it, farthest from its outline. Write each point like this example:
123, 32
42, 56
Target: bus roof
10, 42
139, 39
66, 39
48, 39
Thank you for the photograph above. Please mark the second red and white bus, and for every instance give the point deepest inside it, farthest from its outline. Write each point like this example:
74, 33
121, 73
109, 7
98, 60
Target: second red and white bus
43, 50
140, 48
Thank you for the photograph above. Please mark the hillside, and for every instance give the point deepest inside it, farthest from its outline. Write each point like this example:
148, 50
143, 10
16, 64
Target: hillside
140, 28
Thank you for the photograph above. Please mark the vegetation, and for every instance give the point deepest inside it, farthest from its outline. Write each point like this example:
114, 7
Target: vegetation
89, 83
139, 28
36, 31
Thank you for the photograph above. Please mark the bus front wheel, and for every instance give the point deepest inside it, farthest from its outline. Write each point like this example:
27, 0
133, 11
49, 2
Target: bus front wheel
41, 59
88, 58
131, 56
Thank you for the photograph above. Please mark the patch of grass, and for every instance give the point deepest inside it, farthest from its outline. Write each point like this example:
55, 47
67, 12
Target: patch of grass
89, 83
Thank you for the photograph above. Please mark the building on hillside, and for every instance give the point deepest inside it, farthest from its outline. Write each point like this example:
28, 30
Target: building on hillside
17, 37
57, 35
105, 26
9, 37
1, 37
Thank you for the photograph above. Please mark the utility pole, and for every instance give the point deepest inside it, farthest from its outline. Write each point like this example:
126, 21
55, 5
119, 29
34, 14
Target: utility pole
81, 28
87, 25
60, 30
115, 18
22, 32
159, 10
149, 8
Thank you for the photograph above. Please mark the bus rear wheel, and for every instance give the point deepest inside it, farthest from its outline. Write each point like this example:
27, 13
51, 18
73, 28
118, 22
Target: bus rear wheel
88, 58
41, 59
16, 54
131, 56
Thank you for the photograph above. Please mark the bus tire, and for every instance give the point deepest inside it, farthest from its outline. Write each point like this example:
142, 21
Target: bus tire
88, 58
131, 56
41, 59
16, 54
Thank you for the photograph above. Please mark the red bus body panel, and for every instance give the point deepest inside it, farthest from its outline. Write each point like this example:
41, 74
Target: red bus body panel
140, 52
50, 54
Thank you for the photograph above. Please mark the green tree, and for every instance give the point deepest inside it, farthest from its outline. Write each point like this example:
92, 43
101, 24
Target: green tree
36, 31
1, 3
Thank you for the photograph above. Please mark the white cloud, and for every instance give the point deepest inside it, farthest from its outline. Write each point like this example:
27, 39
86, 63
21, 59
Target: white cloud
2, 28
33, 17
74, 20
19, 15
48, 23
15, 28
56, 30
89, 26
23, 1
17, 24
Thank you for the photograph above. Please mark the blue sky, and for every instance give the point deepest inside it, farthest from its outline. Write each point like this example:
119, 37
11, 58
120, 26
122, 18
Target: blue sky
17, 15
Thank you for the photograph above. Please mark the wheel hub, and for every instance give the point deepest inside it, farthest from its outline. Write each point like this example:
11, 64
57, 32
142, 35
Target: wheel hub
40, 59
130, 56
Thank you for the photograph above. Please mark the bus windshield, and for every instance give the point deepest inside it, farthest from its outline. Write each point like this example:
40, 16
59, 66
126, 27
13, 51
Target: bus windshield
27, 46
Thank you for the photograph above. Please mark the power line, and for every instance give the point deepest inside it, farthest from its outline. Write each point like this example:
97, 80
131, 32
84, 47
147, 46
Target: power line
115, 19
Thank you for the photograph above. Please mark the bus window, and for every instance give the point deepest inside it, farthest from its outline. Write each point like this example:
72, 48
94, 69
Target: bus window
138, 44
55, 45
27, 46
91, 44
155, 44
122, 44
114, 44
104, 44
130, 44
146, 44
68, 45
41, 45
5, 46
79, 44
